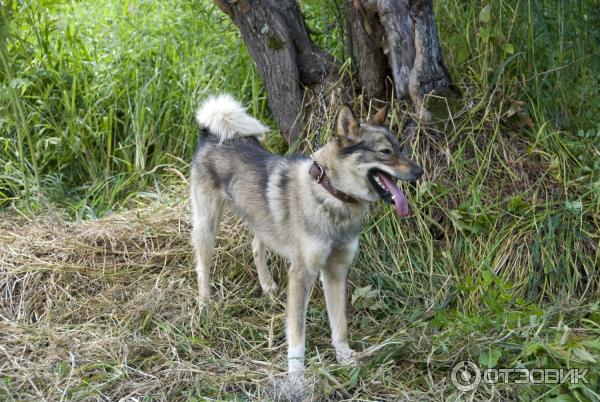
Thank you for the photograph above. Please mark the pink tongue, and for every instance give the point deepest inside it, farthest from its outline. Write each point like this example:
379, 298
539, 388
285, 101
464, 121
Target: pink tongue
399, 198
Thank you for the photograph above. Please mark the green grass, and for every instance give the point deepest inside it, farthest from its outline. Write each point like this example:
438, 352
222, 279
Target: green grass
500, 263
108, 91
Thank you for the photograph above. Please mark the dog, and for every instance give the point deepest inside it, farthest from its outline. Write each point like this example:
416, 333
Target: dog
308, 210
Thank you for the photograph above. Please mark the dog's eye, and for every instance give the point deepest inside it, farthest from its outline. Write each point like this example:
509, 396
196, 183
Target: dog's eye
386, 151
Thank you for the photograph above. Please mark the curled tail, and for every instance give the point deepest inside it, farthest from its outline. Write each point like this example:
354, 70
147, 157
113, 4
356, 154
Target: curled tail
226, 118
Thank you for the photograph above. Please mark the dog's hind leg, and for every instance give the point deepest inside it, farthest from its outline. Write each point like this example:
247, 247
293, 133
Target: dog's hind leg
206, 214
267, 283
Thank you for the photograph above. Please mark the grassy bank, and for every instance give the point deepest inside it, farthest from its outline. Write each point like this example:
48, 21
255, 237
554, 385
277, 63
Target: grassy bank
499, 265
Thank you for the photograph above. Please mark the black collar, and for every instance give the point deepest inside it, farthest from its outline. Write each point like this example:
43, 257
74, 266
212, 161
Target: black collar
318, 173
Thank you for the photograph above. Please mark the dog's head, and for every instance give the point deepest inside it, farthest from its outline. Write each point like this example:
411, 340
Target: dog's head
370, 153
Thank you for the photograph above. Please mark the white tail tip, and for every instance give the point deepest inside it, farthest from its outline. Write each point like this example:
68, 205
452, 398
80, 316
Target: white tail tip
226, 118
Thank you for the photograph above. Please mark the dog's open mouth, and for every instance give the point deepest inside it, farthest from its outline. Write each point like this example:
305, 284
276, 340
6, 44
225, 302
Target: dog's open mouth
386, 187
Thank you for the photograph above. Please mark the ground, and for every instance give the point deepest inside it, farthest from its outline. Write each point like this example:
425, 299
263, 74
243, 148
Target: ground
108, 309
499, 263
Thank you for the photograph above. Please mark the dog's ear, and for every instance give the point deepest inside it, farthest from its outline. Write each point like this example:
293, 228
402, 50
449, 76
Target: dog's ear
380, 116
347, 125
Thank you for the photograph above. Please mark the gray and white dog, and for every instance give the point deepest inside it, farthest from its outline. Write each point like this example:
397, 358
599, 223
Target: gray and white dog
307, 210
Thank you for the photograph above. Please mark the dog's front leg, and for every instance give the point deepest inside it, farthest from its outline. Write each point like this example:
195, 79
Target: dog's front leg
300, 283
334, 277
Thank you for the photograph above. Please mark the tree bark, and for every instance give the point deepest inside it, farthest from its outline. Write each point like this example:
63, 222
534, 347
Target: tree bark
287, 59
408, 40
366, 41
393, 43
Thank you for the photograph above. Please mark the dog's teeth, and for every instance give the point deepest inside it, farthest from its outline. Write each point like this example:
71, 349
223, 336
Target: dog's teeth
380, 184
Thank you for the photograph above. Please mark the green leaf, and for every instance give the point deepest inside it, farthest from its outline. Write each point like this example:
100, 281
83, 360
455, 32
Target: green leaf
490, 357
560, 398
582, 354
20, 84
593, 344
515, 204
508, 48
485, 14
485, 33
366, 297
463, 53
574, 206
532, 348
486, 276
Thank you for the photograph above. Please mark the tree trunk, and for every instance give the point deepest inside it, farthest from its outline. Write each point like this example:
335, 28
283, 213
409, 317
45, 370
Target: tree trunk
366, 41
393, 43
414, 50
287, 59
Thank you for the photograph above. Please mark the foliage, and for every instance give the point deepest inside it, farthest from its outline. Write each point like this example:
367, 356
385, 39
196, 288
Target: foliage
499, 265
109, 91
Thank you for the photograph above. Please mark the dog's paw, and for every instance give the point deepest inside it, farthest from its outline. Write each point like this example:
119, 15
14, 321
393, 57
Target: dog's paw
205, 305
296, 386
269, 288
346, 356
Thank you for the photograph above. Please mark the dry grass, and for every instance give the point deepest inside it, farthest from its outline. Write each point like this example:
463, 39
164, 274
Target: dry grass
107, 310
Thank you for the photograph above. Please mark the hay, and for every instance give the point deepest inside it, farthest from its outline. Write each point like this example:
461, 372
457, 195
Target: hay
103, 309
107, 310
